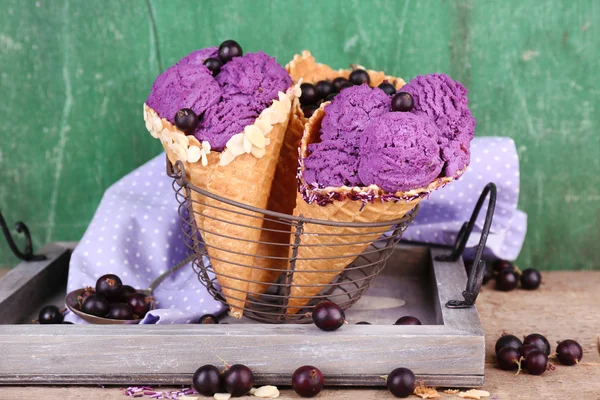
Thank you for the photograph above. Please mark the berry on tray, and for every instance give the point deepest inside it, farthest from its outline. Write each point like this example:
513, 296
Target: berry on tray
95, 304
328, 316
526, 349
207, 380
50, 315
307, 381
238, 380
536, 363
408, 320
401, 382
229, 49
569, 352
538, 341
506, 280
531, 279
508, 341
109, 285
359, 76
508, 359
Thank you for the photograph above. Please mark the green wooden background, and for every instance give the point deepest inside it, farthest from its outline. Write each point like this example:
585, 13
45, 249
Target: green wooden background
74, 75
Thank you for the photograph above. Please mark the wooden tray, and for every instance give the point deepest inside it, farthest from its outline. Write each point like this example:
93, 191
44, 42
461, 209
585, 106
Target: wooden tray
447, 351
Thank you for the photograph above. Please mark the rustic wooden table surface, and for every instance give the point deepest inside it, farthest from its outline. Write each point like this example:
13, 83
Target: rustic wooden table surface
566, 306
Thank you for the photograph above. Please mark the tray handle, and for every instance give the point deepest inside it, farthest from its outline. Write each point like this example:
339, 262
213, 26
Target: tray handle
27, 253
475, 277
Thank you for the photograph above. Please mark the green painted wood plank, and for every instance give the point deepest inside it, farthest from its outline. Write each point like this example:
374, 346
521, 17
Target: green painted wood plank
73, 76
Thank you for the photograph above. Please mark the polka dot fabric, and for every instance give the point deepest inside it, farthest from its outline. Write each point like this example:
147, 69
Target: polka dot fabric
136, 234
493, 159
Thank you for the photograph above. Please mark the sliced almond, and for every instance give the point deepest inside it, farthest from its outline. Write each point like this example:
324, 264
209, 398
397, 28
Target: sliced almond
222, 396
236, 144
157, 123
474, 394
285, 100
267, 392
180, 151
297, 90
205, 146
193, 141
145, 112
204, 159
193, 154
255, 136
166, 137
264, 124
181, 138
247, 145
188, 397
226, 157
258, 153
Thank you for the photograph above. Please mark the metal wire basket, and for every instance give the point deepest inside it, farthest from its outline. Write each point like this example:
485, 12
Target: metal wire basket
270, 307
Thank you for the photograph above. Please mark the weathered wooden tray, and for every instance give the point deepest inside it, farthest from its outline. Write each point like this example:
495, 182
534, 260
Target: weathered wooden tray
447, 351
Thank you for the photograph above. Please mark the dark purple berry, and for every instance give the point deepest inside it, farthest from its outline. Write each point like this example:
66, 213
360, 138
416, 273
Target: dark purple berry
569, 352
508, 341
363, 323
214, 65
120, 311
402, 101
338, 82
328, 316
324, 89
108, 286
401, 382
140, 304
346, 85
538, 341
526, 349
359, 76
506, 280
186, 120
124, 292
307, 381
95, 304
229, 49
309, 110
67, 323
207, 380
531, 279
500, 265
387, 87
208, 319
536, 362
330, 97
508, 359
238, 380
408, 320
50, 315
309, 94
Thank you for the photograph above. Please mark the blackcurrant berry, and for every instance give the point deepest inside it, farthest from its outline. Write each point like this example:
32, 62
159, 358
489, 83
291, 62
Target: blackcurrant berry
401, 382
408, 320
506, 280
508, 359
324, 89
402, 101
186, 120
124, 292
387, 87
330, 97
526, 349
307, 381
346, 85
229, 49
208, 319
214, 65
363, 323
531, 279
328, 316
309, 94
238, 380
309, 110
508, 341
500, 265
536, 362
338, 82
538, 341
95, 304
569, 352
50, 315
120, 311
140, 304
207, 380
108, 286
359, 76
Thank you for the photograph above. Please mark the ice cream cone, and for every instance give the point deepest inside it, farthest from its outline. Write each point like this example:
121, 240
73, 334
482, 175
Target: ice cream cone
326, 250
230, 233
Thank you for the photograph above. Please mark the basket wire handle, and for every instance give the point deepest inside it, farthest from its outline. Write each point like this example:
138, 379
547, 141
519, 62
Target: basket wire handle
475, 278
27, 253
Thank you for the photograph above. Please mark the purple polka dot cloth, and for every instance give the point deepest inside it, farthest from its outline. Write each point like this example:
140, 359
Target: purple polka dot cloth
136, 231
136, 234
493, 159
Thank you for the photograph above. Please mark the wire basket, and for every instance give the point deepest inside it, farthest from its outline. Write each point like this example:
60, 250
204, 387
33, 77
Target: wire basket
272, 306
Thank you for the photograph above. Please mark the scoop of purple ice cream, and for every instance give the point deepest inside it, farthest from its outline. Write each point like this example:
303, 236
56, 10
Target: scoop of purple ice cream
334, 160
183, 86
254, 78
197, 57
445, 101
399, 151
222, 121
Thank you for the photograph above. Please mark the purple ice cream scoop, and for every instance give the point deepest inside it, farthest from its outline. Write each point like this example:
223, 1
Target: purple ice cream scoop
183, 86
197, 57
334, 160
399, 151
445, 101
222, 121
254, 79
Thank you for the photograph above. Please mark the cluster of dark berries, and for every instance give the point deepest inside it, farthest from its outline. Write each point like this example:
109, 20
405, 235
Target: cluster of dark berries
533, 353
186, 119
111, 299
508, 276
328, 316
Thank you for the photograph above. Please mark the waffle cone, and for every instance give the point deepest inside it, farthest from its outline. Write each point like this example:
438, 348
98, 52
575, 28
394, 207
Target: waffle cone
231, 246
326, 250
273, 256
